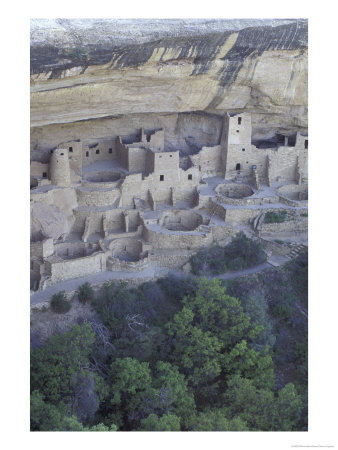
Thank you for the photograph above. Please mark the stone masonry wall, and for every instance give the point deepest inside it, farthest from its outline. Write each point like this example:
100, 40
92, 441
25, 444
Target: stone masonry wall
60, 270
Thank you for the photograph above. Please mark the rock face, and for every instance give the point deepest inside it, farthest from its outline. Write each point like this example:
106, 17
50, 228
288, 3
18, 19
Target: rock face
96, 78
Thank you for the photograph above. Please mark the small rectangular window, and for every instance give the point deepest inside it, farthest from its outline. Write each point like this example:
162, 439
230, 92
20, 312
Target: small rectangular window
306, 143
161, 177
237, 131
61, 154
70, 149
190, 177
243, 149
110, 150
97, 151
171, 156
87, 154
239, 120
44, 174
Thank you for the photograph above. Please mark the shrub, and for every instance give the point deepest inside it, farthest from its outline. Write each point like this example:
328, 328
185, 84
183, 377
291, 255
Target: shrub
240, 253
85, 293
272, 217
304, 214
279, 241
59, 303
237, 263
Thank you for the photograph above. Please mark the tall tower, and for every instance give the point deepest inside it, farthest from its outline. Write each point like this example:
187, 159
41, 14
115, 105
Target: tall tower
236, 145
59, 167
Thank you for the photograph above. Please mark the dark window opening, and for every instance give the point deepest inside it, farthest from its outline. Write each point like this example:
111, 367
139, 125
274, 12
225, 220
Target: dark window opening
237, 131
247, 162
238, 166
189, 177
97, 151
148, 138
161, 177
306, 143
61, 154
87, 154
110, 150
239, 120
171, 156
51, 151
70, 149
44, 174
243, 149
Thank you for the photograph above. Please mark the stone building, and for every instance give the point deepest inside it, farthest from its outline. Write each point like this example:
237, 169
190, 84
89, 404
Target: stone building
122, 205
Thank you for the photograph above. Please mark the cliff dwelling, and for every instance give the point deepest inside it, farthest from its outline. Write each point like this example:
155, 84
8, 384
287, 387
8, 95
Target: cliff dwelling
117, 204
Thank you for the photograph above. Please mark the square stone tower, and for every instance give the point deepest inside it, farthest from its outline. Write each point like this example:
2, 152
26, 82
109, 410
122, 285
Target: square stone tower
236, 145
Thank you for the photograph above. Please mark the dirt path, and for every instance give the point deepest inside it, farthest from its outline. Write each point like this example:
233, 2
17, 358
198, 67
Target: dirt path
147, 274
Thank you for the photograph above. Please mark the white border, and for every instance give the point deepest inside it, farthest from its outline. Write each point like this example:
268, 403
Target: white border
15, 221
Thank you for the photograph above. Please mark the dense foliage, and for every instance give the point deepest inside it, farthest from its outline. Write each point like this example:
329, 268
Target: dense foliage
180, 354
240, 253
59, 303
275, 217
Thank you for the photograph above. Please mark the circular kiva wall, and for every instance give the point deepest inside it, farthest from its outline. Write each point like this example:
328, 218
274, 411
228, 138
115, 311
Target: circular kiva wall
126, 249
180, 220
234, 190
102, 177
294, 192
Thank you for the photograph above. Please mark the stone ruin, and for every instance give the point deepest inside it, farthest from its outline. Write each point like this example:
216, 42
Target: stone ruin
124, 206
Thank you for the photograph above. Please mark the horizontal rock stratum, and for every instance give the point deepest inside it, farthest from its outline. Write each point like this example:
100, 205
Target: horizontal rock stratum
93, 70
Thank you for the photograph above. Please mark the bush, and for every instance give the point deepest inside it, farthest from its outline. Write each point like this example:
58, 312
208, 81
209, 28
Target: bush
59, 303
240, 253
279, 241
304, 214
85, 293
271, 217
236, 264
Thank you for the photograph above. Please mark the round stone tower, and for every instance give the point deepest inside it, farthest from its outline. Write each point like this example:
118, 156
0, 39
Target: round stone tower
59, 167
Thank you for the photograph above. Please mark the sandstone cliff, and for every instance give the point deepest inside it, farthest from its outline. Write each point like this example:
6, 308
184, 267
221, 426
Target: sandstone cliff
104, 78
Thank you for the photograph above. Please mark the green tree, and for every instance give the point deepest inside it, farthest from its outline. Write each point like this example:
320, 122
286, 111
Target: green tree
47, 417
130, 382
289, 407
254, 406
171, 385
167, 422
60, 366
216, 420
196, 352
246, 362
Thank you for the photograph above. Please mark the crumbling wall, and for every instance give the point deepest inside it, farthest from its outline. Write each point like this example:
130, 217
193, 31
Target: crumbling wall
101, 150
171, 240
61, 270
39, 170
75, 153
137, 159
97, 197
